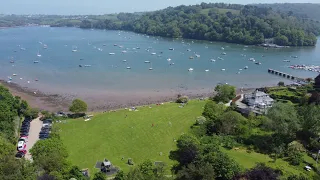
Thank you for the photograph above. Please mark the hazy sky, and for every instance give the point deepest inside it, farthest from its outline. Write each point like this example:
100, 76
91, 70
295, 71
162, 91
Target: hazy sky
107, 6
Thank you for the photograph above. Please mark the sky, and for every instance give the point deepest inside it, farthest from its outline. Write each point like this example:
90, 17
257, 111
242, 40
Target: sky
71, 7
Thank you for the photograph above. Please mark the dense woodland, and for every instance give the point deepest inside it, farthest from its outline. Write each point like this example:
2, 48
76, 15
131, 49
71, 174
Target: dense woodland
218, 22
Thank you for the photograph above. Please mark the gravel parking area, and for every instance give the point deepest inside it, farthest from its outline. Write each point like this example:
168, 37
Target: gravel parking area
35, 128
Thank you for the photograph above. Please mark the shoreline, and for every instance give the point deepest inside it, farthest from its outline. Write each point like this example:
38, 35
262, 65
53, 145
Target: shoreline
61, 102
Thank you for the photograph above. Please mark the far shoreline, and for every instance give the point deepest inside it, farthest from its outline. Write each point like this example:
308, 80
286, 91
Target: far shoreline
61, 102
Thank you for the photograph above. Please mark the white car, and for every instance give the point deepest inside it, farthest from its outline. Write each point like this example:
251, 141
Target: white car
21, 145
23, 138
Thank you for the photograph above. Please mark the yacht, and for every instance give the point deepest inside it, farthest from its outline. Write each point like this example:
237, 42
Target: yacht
220, 58
74, 50
14, 74
35, 62
124, 60
188, 50
258, 63
45, 46
87, 65
38, 54
246, 67
153, 53
224, 53
171, 49
191, 57
197, 55
212, 60
252, 59
223, 69
190, 69
240, 69
222, 48
146, 61
168, 59
124, 51
207, 70
112, 53
128, 67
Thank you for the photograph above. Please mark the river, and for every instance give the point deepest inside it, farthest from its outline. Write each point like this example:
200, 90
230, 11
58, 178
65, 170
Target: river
58, 71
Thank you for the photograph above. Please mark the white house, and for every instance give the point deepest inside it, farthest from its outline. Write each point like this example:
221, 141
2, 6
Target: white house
258, 99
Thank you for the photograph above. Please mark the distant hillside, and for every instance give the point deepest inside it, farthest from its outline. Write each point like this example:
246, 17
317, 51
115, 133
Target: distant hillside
232, 23
302, 10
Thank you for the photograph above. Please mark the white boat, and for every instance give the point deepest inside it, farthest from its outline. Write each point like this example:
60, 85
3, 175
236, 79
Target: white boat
168, 59
171, 49
99, 49
112, 53
124, 60
238, 72
74, 50
87, 65
146, 61
151, 68
38, 54
286, 60
197, 55
189, 50
128, 67
207, 70
220, 58
191, 57
23, 49
223, 69
190, 69
246, 67
35, 62
153, 53
212, 60
258, 63
124, 51
14, 74
252, 59
222, 48
45, 46
240, 69
224, 53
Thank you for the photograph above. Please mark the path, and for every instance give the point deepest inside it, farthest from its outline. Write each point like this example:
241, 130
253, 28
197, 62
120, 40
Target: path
35, 128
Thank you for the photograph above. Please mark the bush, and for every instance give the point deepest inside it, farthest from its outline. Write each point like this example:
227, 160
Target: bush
228, 142
78, 106
182, 99
281, 83
200, 120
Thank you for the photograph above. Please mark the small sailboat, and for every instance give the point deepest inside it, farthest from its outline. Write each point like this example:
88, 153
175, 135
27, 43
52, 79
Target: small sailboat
224, 53
88, 65
222, 48
146, 61
190, 69
124, 60
153, 53
220, 58
252, 59
35, 62
124, 51
246, 67
45, 46
104, 45
223, 69
80, 65
128, 67
112, 53
171, 49
38, 54
150, 67
191, 57
207, 70
258, 63
168, 59
188, 50
212, 60
197, 55
14, 74
240, 69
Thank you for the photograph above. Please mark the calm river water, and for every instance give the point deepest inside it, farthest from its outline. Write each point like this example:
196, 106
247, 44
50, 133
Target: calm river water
58, 68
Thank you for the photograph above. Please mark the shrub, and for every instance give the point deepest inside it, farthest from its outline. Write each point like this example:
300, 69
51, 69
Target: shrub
200, 120
182, 99
281, 83
228, 142
78, 106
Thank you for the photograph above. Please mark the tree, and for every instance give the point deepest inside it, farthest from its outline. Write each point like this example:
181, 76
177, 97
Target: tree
225, 93
212, 110
50, 155
120, 176
284, 119
78, 106
281, 83
232, 123
187, 150
202, 171
99, 176
259, 172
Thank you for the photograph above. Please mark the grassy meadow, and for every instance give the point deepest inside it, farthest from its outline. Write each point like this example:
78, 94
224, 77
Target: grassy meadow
129, 134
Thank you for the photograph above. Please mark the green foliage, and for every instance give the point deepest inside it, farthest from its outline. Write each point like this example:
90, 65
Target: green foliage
225, 93
120, 176
259, 172
187, 150
182, 99
295, 158
100, 176
50, 155
281, 83
6, 148
228, 142
203, 171
297, 177
32, 113
231, 123
11, 169
200, 120
310, 119
284, 119
78, 106
212, 110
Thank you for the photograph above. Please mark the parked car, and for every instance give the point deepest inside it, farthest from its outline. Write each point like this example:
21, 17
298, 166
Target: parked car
25, 133
23, 138
44, 136
20, 154
21, 145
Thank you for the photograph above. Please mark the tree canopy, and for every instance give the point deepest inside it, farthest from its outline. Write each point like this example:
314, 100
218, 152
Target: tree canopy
78, 106
224, 92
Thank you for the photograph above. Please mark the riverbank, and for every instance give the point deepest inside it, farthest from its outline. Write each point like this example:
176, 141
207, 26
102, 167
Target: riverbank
99, 102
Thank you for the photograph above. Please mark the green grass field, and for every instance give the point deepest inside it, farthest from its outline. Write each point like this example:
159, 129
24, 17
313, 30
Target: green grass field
249, 160
111, 135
